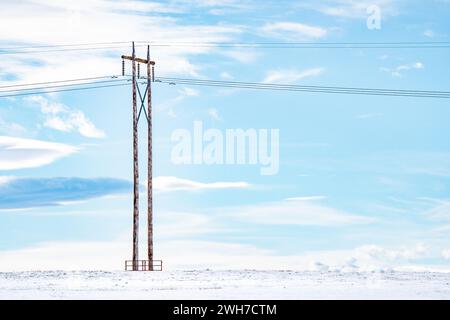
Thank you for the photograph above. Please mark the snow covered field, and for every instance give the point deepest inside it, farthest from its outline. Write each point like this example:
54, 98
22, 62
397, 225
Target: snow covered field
223, 285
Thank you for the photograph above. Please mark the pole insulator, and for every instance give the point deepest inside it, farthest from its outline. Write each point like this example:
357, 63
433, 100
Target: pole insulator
123, 67
139, 71
153, 73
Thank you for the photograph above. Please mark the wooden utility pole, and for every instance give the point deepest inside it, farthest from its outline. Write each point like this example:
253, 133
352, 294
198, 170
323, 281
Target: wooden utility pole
147, 265
150, 162
135, 168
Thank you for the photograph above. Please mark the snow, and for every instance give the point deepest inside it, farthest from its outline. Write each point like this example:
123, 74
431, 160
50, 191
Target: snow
231, 284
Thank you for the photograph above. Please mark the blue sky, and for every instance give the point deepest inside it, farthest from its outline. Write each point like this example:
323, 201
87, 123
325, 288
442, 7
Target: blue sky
363, 181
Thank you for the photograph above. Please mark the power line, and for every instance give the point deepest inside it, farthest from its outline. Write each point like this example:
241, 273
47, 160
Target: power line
58, 81
295, 86
265, 45
64, 85
63, 45
303, 43
195, 43
6, 52
280, 88
322, 91
316, 89
220, 83
62, 90
336, 45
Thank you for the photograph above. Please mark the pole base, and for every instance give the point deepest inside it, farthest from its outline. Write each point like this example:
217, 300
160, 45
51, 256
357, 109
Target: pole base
143, 265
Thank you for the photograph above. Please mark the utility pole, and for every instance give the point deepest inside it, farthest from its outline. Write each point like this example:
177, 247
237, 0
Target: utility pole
136, 264
135, 168
150, 75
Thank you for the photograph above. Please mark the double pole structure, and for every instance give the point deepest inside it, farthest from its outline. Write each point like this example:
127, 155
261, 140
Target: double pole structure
144, 265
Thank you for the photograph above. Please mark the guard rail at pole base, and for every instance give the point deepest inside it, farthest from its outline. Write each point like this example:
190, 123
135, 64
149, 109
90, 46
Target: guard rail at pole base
143, 265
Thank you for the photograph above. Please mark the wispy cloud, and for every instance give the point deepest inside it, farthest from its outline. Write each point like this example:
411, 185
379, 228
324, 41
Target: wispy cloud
11, 128
399, 70
293, 31
352, 9
446, 254
17, 153
63, 118
242, 55
189, 92
109, 255
214, 114
310, 198
166, 184
287, 76
440, 210
226, 76
5, 179
217, 7
134, 6
298, 211
20, 192
35, 22
175, 225
170, 105
429, 33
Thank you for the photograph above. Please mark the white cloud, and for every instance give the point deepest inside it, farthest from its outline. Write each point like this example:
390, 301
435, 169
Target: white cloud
5, 179
311, 198
171, 113
369, 258
170, 105
17, 153
287, 76
441, 230
216, 7
189, 92
354, 9
213, 3
117, 5
399, 70
50, 22
242, 55
67, 256
11, 128
446, 254
300, 211
429, 33
166, 184
196, 254
226, 76
110, 255
406, 253
440, 210
214, 114
58, 124
20, 192
62, 118
293, 31
175, 225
